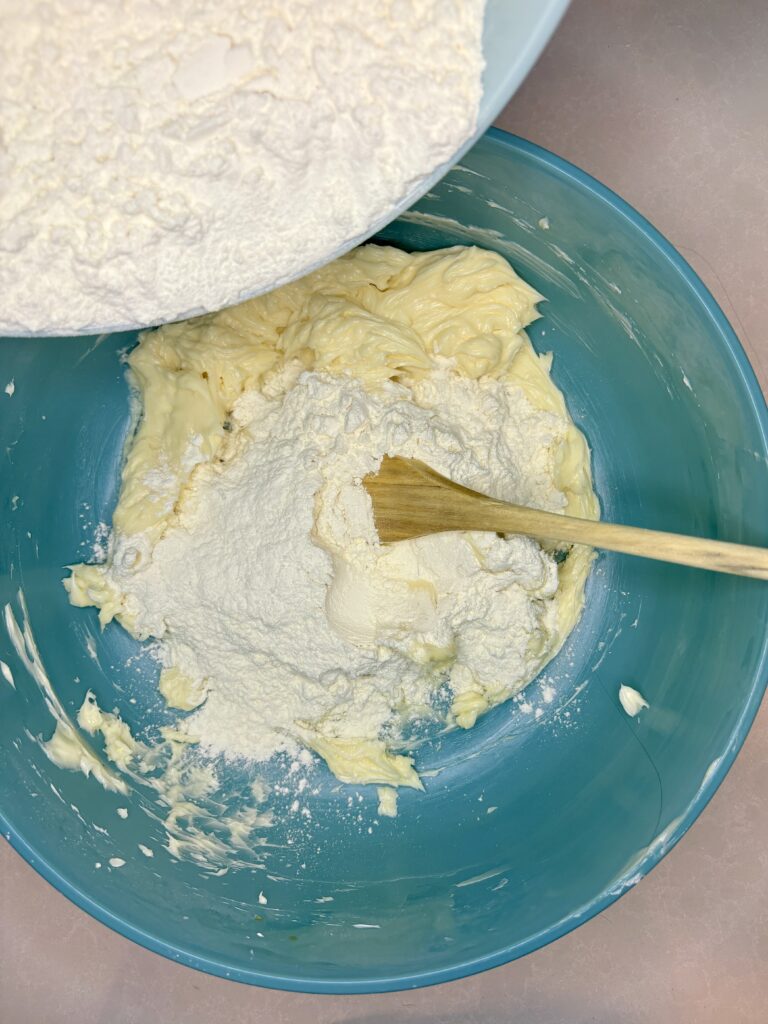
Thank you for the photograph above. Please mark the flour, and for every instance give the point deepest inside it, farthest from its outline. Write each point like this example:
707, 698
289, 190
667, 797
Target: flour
244, 540
276, 593
165, 158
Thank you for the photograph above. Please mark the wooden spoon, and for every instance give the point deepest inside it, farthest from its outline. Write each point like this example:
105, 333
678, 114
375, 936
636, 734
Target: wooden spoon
412, 500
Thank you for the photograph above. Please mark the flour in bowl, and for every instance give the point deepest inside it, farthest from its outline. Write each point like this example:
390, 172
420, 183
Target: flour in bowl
166, 158
244, 541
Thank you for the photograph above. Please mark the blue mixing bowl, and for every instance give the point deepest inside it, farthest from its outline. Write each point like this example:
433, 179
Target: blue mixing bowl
551, 807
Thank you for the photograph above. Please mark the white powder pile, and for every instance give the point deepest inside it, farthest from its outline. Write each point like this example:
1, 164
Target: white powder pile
244, 539
163, 158
276, 592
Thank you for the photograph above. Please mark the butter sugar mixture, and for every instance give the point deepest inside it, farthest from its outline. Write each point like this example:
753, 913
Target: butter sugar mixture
243, 540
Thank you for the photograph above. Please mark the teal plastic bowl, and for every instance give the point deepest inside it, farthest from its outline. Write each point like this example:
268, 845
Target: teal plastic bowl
535, 820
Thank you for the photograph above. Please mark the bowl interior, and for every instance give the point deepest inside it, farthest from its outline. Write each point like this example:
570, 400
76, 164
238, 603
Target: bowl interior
552, 806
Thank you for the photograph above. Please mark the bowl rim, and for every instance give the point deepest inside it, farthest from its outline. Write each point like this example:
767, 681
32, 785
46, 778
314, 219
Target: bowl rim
656, 850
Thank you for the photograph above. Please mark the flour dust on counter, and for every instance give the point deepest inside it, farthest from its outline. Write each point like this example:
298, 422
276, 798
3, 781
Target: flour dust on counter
243, 544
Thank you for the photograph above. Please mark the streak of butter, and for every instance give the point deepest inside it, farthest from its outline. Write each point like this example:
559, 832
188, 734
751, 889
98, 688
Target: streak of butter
365, 761
387, 801
463, 304
119, 745
5, 672
180, 691
65, 748
572, 574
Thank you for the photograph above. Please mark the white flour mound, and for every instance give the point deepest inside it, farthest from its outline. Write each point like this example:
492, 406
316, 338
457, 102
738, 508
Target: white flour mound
275, 590
243, 539
164, 158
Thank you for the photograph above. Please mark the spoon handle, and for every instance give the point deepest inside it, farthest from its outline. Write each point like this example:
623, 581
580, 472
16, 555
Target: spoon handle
716, 555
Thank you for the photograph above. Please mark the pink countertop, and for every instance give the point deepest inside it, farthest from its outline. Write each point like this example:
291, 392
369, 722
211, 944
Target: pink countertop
666, 101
